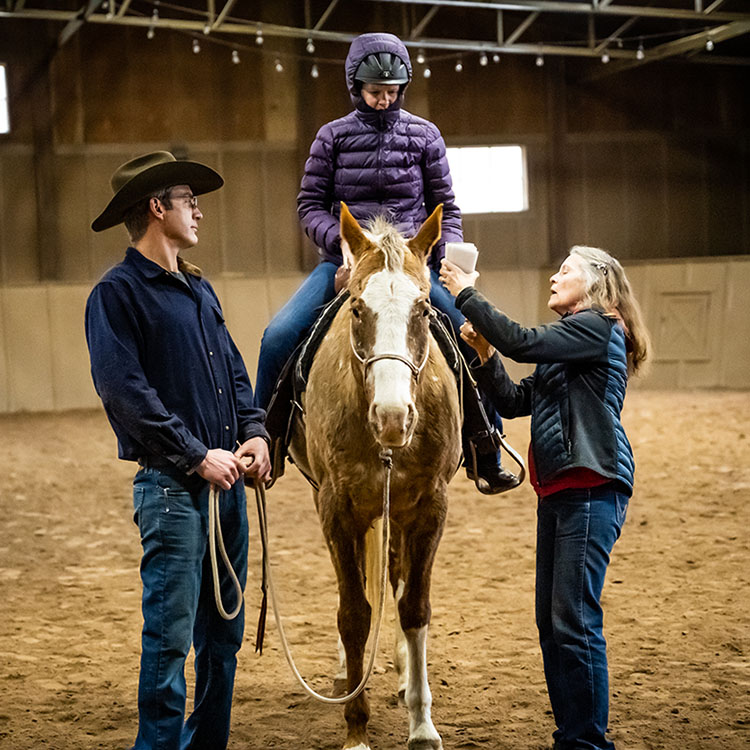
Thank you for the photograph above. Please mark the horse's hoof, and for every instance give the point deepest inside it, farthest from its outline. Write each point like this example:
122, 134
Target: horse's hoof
339, 687
425, 744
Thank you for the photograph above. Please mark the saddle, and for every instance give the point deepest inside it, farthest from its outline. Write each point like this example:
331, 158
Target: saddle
286, 400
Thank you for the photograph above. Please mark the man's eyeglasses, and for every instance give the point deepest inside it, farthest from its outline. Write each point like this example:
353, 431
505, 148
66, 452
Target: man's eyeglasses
191, 199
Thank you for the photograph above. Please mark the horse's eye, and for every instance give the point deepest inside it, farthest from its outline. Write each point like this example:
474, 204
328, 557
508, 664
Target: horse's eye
426, 312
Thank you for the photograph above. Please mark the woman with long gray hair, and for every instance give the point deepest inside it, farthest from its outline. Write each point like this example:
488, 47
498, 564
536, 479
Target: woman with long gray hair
580, 461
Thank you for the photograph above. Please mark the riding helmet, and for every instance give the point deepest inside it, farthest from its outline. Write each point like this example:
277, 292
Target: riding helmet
382, 67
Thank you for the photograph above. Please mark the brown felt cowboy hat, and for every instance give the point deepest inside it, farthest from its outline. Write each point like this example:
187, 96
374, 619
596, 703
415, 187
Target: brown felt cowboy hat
145, 175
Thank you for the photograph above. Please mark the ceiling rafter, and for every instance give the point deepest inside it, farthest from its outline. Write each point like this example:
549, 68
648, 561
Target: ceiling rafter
603, 37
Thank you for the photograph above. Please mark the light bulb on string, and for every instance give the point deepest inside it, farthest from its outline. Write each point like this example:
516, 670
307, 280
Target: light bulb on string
207, 29
196, 46
427, 73
640, 52
314, 72
483, 59
420, 57
278, 66
539, 61
259, 36
459, 65
150, 33
310, 46
495, 58
605, 58
235, 57
709, 45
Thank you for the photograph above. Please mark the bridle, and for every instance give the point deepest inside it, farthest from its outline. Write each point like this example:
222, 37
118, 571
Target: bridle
367, 361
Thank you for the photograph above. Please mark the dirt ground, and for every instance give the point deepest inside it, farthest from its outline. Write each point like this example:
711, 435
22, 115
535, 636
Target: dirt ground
676, 599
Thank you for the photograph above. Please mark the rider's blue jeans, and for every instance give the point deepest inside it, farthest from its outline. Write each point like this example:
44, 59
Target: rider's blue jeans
290, 325
576, 530
171, 511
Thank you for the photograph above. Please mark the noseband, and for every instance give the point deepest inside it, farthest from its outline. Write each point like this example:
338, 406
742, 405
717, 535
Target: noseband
366, 362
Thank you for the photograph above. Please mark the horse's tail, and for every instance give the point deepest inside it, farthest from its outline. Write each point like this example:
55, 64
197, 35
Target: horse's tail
374, 562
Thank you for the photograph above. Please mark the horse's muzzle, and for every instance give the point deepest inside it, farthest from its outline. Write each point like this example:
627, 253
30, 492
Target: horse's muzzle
393, 426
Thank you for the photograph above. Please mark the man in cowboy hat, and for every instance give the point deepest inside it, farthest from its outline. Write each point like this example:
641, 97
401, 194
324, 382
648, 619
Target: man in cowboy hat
178, 397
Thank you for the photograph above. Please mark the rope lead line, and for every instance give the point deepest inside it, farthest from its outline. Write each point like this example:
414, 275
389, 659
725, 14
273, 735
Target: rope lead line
387, 461
214, 533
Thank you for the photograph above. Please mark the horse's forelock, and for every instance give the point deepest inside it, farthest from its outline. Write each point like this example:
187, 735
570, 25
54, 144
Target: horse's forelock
389, 241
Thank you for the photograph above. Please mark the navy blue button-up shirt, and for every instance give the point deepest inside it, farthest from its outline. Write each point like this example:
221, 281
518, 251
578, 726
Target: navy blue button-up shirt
171, 379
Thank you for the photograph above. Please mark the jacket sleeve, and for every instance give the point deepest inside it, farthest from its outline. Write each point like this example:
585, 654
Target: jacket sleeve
509, 399
582, 337
113, 338
315, 198
438, 188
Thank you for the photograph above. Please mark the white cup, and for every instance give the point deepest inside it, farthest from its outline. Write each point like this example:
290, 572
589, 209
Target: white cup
463, 254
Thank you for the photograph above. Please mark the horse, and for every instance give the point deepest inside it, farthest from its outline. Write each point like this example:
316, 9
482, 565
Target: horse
379, 380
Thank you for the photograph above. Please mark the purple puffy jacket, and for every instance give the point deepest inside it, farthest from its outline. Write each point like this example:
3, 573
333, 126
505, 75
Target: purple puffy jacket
388, 162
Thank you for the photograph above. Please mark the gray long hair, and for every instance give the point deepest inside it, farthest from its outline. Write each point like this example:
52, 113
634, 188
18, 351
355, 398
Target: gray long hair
607, 286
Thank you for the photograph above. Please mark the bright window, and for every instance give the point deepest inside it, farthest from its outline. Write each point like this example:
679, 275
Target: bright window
489, 179
4, 119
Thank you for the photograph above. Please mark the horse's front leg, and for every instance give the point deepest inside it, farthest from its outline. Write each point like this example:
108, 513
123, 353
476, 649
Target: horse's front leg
346, 543
419, 547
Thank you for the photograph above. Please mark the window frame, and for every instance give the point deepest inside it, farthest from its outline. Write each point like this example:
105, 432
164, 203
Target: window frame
524, 179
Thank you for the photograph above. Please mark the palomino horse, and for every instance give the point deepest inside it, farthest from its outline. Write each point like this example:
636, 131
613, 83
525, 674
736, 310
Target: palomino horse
380, 381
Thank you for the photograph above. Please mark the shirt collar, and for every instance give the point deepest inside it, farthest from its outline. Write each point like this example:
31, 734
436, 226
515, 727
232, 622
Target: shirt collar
146, 267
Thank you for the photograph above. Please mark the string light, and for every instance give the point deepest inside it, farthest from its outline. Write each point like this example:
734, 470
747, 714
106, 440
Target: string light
421, 58
709, 45
314, 72
640, 52
235, 57
310, 47
483, 59
459, 66
279, 67
259, 36
605, 58
427, 73
196, 46
539, 61
495, 58
154, 18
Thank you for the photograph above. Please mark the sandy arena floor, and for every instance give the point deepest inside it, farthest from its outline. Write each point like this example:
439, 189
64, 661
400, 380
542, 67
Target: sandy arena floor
676, 599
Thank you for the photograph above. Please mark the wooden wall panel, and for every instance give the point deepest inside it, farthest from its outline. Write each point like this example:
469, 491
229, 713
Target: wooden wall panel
242, 217
282, 232
72, 261
686, 194
28, 349
4, 384
72, 387
735, 365
19, 253
644, 211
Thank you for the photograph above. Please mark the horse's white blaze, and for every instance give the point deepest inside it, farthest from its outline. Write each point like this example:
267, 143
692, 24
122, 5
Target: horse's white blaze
418, 697
391, 296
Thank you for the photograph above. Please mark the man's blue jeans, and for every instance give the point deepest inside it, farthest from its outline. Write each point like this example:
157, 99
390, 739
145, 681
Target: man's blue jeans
171, 511
576, 530
290, 325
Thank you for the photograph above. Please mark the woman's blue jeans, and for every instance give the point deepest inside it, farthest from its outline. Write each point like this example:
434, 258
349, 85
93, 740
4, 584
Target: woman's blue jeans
171, 511
290, 325
576, 530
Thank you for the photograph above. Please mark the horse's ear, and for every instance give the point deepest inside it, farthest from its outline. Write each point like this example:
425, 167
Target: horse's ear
428, 234
353, 239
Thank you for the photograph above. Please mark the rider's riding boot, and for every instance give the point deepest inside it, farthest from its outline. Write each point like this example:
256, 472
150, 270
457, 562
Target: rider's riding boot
483, 465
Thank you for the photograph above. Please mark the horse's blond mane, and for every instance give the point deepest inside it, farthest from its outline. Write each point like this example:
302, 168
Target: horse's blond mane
388, 240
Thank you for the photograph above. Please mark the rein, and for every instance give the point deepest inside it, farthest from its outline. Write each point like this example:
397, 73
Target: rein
260, 497
214, 536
